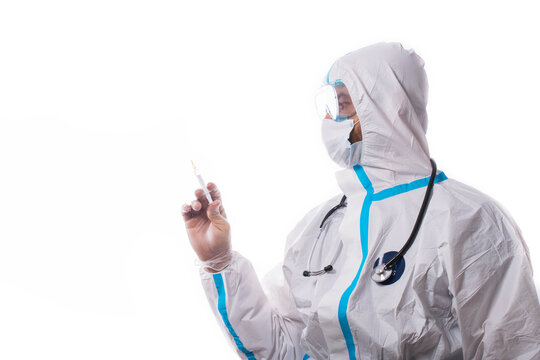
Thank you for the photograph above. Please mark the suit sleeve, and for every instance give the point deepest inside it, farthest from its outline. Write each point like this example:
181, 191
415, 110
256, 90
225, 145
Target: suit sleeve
255, 328
495, 299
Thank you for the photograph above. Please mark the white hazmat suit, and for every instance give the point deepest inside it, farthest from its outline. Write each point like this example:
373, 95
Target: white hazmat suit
466, 291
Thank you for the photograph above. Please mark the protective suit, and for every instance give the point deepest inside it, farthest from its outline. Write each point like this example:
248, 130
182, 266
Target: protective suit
466, 290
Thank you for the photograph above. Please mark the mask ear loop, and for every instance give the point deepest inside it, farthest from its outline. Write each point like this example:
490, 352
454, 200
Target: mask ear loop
353, 125
357, 119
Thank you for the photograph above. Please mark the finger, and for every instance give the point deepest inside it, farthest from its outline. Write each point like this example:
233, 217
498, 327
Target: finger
187, 212
196, 206
201, 197
214, 212
214, 191
216, 195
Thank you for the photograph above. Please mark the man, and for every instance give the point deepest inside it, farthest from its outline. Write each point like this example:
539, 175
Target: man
461, 284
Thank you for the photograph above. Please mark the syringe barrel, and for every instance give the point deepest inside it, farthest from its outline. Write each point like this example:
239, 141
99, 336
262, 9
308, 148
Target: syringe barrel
205, 189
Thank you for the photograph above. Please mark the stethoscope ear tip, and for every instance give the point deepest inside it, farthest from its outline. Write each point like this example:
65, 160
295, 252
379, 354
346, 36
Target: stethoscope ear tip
328, 268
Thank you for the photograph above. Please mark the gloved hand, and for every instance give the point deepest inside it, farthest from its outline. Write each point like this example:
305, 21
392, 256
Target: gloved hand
208, 229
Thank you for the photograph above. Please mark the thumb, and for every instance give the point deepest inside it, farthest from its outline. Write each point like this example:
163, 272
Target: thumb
213, 212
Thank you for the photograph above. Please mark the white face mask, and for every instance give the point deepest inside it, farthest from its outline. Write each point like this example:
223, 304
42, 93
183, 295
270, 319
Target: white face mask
335, 136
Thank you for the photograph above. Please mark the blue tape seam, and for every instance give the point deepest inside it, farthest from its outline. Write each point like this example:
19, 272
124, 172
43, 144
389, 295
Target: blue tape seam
364, 225
222, 308
403, 188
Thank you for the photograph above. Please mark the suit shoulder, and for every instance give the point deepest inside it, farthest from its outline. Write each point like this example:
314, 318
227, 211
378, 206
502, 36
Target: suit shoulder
467, 197
469, 204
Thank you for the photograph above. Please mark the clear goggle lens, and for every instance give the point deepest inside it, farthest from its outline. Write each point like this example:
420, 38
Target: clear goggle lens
326, 103
334, 102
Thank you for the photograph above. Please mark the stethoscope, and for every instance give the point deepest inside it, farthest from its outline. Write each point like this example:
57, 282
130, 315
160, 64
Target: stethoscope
384, 272
330, 267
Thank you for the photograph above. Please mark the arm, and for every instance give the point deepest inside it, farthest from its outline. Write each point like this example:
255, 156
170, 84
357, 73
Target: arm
253, 327
495, 299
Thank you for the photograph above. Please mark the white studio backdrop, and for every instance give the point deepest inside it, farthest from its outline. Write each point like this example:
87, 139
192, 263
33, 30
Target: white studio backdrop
104, 103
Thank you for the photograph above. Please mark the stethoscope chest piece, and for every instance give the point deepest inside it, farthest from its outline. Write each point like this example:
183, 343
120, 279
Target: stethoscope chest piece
384, 275
381, 274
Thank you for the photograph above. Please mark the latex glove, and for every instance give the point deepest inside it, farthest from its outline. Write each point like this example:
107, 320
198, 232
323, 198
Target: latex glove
208, 229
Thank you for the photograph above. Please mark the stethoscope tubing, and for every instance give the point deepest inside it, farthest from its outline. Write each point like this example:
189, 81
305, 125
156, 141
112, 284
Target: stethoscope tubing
389, 266
427, 197
330, 267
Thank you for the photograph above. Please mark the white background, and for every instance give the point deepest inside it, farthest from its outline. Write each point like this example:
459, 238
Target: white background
103, 104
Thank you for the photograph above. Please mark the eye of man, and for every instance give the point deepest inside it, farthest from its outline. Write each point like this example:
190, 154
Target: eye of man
344, 104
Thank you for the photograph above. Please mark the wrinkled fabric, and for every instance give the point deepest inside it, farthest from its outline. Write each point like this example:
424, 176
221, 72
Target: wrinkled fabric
466, 291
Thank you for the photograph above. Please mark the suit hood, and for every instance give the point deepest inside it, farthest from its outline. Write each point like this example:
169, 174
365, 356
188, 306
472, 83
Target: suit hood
389, 89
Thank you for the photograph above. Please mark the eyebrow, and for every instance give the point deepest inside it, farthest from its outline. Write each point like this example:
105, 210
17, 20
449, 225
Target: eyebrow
343, 95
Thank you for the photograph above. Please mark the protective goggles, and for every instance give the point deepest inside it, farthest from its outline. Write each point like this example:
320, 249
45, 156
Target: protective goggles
334, 102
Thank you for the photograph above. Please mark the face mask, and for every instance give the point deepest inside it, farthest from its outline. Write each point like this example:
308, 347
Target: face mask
336, 139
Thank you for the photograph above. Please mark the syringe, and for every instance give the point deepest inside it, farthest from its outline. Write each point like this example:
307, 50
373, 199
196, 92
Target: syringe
201, 182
